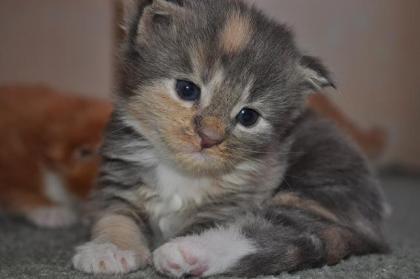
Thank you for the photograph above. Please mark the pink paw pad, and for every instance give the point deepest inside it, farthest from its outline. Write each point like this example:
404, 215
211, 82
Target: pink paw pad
189, 258
199, 271
176, 260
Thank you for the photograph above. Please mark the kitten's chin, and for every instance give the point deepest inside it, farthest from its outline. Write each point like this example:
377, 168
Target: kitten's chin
201, 158
202, 163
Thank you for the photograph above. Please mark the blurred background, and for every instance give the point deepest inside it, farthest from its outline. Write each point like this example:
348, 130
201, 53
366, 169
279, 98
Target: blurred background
372, 47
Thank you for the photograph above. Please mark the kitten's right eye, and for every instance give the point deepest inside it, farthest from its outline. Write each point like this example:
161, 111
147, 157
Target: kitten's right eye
247, 117
188, 91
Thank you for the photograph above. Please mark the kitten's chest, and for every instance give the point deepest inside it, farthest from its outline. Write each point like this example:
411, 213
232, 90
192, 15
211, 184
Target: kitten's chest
173, 197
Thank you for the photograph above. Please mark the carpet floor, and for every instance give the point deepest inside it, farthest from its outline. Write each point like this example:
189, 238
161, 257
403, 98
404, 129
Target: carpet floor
28, 252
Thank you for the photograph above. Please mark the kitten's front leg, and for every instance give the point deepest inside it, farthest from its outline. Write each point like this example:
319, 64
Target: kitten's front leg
209, 244
118, 246
267, 242
212, 252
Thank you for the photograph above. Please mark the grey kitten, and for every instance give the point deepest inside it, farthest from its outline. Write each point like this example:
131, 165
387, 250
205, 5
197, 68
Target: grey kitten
211, 163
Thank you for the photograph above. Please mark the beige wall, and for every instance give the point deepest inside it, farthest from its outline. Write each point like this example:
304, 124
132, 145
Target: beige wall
372, 47
64, 43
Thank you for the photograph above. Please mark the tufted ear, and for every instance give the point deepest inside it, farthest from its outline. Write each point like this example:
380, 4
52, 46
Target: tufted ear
140, 17
128, 11
316, 74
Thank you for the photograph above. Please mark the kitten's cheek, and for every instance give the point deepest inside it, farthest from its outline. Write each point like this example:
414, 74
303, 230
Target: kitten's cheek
182, 140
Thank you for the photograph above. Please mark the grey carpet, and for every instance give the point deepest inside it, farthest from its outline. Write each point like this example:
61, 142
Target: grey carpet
27, 252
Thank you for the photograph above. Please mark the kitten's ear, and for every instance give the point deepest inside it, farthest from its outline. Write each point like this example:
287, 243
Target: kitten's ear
316, 74
128, 10
141, 15
160, 16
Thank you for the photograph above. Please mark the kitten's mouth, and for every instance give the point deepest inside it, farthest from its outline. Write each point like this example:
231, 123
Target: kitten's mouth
193, 148
197, 152
192, 156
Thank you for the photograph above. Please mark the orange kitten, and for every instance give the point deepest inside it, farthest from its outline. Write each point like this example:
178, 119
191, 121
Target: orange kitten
48, 152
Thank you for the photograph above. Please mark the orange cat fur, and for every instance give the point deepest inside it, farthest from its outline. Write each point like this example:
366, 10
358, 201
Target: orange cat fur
48, 152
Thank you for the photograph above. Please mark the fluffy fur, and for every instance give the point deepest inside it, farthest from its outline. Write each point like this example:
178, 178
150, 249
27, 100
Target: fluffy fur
289, 192
49, 159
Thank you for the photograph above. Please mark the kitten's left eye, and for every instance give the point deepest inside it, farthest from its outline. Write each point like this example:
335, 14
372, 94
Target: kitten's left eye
247, 117
188, 91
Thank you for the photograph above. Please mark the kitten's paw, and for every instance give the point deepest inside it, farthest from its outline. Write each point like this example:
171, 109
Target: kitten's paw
213, 252
52, 217
107, 258
181, 257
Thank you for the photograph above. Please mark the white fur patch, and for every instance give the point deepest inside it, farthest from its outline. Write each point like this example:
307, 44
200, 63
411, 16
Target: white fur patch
211, 253
167, 195
172, 183
175, 191
104, 258
55, 188
52, 217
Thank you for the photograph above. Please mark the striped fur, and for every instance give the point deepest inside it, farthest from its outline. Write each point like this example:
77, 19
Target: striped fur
285, 194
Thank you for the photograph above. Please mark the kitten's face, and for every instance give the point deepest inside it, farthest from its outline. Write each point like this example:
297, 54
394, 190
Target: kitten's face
213, 83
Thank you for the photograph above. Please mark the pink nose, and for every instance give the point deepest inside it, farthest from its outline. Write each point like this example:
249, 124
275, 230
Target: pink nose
209, 138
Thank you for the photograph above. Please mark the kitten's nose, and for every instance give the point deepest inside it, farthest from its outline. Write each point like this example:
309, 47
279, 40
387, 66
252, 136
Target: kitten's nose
211, 131
209, 138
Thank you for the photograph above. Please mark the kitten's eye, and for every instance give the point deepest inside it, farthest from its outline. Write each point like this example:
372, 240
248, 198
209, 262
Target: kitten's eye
188, 91
247, 117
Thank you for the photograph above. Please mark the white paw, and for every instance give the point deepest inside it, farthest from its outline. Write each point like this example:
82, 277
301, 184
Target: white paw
181, 257
52, 217
211, 253
105, 258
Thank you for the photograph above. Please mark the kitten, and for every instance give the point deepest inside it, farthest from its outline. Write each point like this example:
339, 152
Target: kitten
48, 159
211, 163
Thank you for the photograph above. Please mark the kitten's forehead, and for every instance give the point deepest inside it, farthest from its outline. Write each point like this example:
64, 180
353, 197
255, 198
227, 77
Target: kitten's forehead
241, 45
223, 35
236, 33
